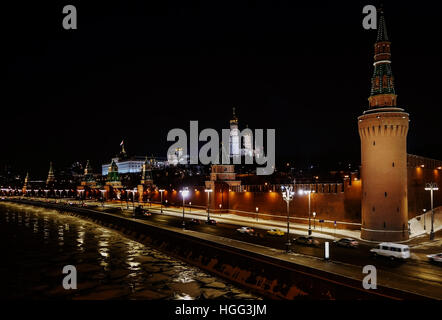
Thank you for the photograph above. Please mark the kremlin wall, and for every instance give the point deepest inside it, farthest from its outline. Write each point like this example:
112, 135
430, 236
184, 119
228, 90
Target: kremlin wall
340, 202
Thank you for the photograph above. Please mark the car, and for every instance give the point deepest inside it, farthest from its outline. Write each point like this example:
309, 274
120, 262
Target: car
347, 242
391, 250
437, 257
147, 213
194, 222
246, 230
275, 232
139, 211
211, 222
310, 241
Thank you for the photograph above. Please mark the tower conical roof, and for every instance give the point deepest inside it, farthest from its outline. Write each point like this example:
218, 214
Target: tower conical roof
234, 117
382, 27
382, 93
51, 176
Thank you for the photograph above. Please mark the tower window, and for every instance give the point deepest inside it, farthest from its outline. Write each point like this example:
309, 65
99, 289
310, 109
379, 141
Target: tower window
374, 209
385, 225
374, 143
393, 164
385, 193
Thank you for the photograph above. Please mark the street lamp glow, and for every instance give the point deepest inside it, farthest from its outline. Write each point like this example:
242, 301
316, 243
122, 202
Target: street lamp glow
309, 192
184, 194
208, 203
161, 192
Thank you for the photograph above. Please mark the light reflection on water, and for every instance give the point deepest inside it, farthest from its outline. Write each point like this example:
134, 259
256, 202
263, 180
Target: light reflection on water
109, 265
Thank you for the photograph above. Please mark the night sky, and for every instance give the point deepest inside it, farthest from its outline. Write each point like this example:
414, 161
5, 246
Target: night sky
133, 70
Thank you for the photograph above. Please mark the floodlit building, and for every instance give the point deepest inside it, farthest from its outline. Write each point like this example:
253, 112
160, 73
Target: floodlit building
128, 164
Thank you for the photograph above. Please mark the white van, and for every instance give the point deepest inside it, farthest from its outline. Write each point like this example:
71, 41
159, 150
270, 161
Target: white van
392, 250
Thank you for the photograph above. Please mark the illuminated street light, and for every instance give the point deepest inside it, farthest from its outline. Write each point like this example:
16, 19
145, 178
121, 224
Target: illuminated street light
134, 191
103, 191
184, 194
287, 195
432, 186
314, 220
161, 192
127, 199
208, 203
309, 202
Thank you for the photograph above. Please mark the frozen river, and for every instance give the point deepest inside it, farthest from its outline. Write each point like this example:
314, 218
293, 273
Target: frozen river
37, 243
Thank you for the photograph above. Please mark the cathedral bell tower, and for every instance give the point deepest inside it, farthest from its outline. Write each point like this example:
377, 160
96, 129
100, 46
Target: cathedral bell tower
234, 136
383, 131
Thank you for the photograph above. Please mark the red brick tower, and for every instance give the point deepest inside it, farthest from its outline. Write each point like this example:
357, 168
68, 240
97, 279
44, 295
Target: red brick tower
383, 131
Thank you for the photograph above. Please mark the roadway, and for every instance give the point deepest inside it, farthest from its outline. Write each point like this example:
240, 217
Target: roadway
418, 268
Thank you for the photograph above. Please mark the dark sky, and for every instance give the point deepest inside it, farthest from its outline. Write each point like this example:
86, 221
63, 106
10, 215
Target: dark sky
135, 69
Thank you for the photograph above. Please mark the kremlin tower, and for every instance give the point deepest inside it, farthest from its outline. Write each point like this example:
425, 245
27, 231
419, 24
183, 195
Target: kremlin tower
383, 131
26, 184
234, 136
50, 181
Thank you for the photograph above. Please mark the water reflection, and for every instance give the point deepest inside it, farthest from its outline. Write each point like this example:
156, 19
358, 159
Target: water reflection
109, 265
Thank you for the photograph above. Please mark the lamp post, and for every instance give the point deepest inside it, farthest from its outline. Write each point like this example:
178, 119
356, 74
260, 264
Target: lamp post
134, 192
190, 207
208, 203
425, 213
314, 220
287, 195
184, 194
103, 191
257, 212
127, 199
161, 192
309, 206
432, 186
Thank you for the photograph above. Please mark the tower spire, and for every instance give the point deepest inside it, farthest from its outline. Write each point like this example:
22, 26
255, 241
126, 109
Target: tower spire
382, 27
382, 92
51, 177
234, 117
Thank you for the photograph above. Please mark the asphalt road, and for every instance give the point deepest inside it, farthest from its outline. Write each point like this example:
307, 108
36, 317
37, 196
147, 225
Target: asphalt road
419, 269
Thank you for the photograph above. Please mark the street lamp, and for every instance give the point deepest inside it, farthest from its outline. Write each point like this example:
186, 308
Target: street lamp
161, 192
190, 207
127, 199
134, 192
184, 194
432, 186
208, 203
314, 220
103, 191
257, 209
309, 221
425, 213
287, 195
